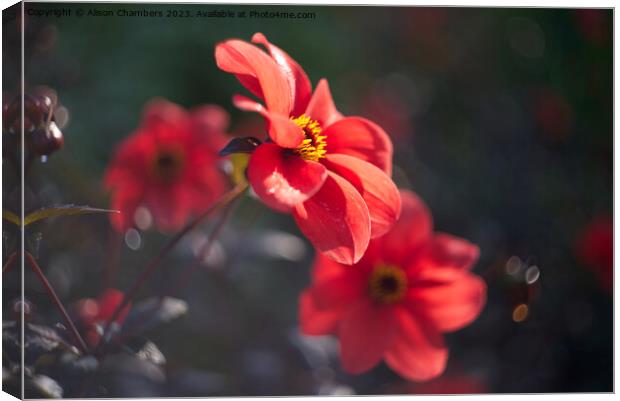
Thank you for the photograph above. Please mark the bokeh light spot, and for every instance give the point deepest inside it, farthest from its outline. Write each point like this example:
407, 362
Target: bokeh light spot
143, 218
514, 265
520, 313
532, 274
133, 240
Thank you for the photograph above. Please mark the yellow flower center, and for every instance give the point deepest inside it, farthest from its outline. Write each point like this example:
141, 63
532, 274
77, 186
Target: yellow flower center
313, 146
167, 164
387, 284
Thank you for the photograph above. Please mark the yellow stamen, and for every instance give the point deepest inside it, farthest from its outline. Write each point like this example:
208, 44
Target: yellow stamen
387, 284
314, 146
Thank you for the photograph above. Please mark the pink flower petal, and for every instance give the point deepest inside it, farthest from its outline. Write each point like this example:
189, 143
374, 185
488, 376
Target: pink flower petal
298, 80
361, 138
244, 59
282, 130
339, 291
366, 331
377, 189
412, 230
317, 321
445, 250
417, 351
336, 220
283, 180
450, 304
322, 107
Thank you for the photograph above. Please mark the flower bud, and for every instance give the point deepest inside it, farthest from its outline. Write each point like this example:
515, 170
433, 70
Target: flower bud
45, 141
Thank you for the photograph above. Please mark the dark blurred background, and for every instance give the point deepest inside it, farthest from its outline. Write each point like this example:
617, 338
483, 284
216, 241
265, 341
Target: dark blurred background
501, 121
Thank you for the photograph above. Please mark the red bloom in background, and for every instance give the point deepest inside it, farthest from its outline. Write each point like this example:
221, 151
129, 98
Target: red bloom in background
411, 286
595, 248
93, 312
169, 165
447, 384
332, 172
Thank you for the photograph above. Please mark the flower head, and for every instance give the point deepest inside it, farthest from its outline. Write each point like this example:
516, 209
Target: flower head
332, 172
411, 286
169, 165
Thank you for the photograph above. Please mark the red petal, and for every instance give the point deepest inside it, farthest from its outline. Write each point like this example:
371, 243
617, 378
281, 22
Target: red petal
126, 200
316, 321
356, 136
366, 331
411, 231
296, 76
283, 180
282, 130
159, 110
322, 107
338, 292
417, 351
450, 305
210, 119
109, 300
169, 205
325, 268
336, 220
377, 189
445, 250
242, 58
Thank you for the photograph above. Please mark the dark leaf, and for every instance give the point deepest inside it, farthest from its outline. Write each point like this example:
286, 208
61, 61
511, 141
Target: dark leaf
127, 365
62, 210
82, 364
52, 211
240, 145
152, 312
45, 386
146, 350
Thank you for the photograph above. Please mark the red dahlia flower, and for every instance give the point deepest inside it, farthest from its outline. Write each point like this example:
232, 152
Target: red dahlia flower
411, 286
332, 172
169, 165
93, 312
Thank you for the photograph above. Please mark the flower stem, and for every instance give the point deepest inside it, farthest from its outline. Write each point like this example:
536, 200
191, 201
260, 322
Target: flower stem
50, 290
154, 263
9, 263
204, 251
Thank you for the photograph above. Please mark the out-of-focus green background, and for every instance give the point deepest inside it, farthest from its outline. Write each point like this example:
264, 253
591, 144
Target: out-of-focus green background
501, 121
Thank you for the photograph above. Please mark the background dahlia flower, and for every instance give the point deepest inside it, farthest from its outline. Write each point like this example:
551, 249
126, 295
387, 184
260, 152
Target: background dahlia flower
169, 165
332, 172
411, 286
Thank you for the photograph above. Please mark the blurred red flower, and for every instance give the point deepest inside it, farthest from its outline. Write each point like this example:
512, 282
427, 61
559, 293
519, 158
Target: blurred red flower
595, 248
448, 384
169, 165
92, 312
332, 172
411, 286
